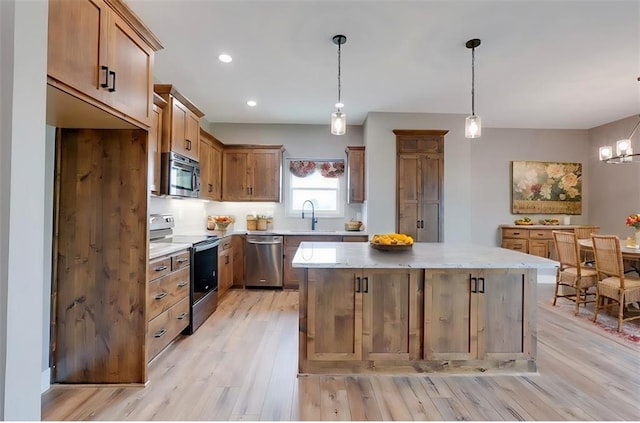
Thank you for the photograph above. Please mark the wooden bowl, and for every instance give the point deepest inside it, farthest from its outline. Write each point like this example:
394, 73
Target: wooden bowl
392, 247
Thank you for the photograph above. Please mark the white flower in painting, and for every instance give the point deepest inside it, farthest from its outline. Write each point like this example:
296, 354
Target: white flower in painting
545, 191
562, 197
555, 170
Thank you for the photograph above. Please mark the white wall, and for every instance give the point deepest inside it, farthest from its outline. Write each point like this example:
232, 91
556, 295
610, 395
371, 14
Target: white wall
615, 189
299, 141
23, 80
490, 177
380, 143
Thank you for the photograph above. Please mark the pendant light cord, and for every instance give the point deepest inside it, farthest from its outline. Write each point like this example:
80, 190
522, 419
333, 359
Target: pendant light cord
473, 78
339, 83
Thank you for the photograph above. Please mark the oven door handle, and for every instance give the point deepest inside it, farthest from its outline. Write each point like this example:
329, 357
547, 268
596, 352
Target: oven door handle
205, 247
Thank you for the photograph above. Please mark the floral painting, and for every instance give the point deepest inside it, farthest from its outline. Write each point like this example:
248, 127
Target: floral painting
546, 188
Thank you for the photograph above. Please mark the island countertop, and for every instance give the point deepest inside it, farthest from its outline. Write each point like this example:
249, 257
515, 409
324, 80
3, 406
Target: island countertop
423, 255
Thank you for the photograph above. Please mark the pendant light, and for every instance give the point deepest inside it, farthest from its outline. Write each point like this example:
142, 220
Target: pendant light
624, 151
473, 124
338, 118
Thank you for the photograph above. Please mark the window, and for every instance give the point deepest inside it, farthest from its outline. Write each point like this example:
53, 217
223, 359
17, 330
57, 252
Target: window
320, 181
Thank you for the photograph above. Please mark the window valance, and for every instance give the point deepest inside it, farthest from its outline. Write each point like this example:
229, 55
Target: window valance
327, 168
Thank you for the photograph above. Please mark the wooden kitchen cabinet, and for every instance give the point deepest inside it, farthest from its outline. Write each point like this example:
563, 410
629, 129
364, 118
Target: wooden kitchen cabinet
358, 315
167, 300
420, 177
99, 291
181, 123
225, 266
237, 243
155, 144
536, 240
479, 314
251, 173
210, 167
355, 174
101, 53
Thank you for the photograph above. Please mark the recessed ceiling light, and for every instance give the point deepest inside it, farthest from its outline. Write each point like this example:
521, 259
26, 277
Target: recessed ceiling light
251, 103
225, 58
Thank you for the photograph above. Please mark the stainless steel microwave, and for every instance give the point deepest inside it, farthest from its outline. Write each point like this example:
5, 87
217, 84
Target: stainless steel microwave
182, 176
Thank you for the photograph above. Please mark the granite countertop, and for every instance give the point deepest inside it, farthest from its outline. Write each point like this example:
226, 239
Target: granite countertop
290, 232
423, 255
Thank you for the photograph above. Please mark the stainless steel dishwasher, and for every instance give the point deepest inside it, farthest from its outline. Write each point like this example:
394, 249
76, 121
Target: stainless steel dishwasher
263, 265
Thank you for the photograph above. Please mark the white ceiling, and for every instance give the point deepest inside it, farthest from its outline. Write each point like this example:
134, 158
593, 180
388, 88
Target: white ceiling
542, 64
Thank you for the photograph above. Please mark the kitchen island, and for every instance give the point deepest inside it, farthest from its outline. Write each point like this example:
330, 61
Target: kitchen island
434, 307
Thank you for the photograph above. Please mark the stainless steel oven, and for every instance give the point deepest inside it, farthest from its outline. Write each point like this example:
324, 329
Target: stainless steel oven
181, 177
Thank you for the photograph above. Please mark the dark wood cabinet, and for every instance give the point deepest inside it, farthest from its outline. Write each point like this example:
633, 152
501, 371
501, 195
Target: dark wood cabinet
155, 145
225, 266
355, 174
210, 167
97, 55
251, 173
420, 180
181, 123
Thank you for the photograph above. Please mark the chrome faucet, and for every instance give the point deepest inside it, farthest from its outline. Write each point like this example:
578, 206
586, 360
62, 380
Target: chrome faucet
314, 219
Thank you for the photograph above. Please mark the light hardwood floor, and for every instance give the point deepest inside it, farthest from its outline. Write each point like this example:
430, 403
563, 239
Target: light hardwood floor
241, 365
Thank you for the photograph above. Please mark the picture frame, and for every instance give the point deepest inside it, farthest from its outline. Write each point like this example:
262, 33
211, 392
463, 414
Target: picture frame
546, 188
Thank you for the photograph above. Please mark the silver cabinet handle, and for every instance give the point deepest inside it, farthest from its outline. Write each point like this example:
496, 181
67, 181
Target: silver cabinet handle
160, 333
161, 295
182, 260
160, 268
182, 315
181, 284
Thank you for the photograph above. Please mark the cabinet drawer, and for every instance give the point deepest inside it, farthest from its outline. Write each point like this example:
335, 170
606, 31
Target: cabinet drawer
166, 291
515, 233
540, 234
516, 244
164, 328
158, 268
180, 260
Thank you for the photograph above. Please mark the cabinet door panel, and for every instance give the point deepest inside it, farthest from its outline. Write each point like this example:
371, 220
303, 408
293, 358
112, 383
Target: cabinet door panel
132, 61
155, 136
235, 168
334, 315
430, 188
501, 321
78, 44
266, 176
408, 196
206, 182
386, 315
449, 315
178, 127
192, 135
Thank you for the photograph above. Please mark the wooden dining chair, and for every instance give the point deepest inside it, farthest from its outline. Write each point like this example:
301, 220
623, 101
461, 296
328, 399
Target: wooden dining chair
612, 283
571, 272
584, 232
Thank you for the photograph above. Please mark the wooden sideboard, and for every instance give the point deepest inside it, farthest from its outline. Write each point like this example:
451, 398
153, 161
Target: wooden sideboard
538, 239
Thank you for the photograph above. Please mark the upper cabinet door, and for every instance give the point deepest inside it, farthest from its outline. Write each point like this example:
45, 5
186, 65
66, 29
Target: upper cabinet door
78, 32
355, 174
266, 166
235, 175
179, 115
131, 71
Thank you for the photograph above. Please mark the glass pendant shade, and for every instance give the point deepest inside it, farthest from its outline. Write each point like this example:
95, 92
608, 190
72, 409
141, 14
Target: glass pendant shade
623, 147
606, 152
473, 127
338, 123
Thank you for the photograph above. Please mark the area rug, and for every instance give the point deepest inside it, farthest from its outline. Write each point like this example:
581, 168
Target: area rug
607, 322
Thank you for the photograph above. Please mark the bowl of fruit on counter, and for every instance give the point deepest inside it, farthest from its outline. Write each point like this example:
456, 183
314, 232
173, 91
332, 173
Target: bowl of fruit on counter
391, 242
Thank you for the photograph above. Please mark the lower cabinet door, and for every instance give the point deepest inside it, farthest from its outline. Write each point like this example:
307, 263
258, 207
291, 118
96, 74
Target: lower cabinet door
390, 316
334, 315
503, 321
164, 328
450, 331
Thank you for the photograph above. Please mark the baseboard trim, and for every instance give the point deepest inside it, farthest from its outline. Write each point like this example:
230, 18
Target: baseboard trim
45, 380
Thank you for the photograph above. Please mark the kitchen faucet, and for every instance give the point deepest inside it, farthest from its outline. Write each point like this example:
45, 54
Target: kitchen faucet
314, 219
